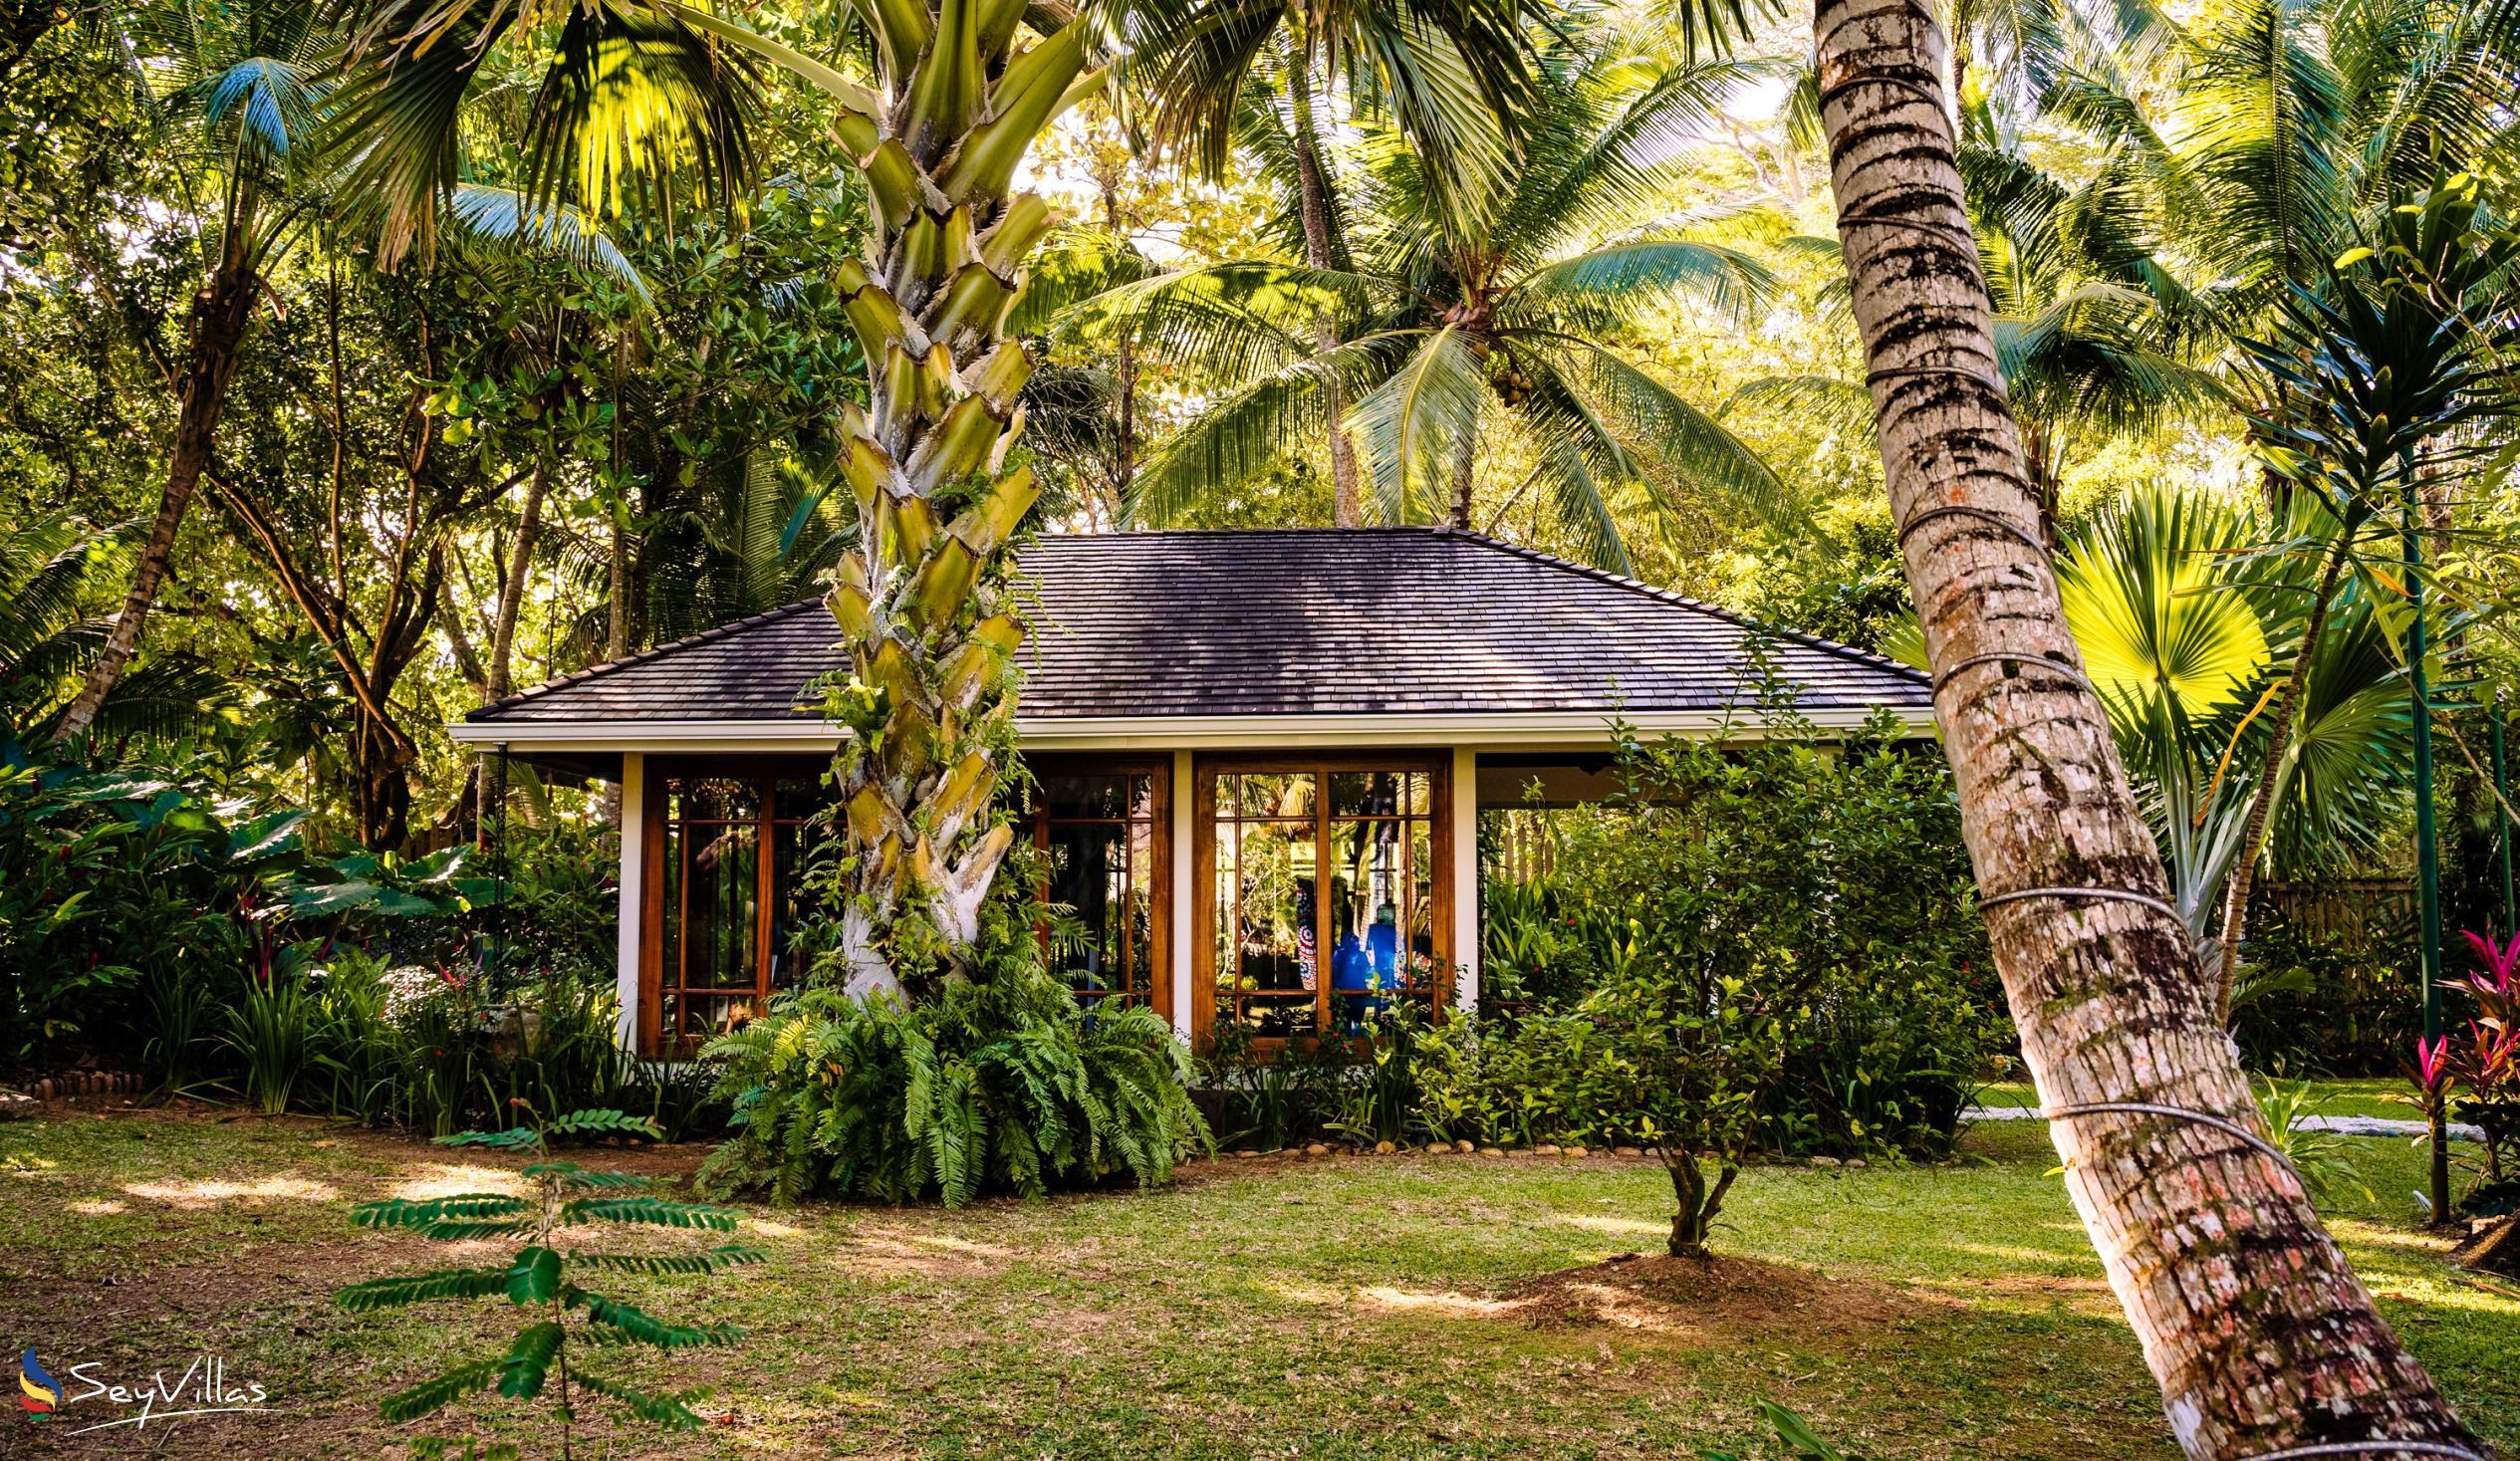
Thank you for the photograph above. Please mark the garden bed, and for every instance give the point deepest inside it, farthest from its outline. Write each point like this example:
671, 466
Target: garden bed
1408, 1304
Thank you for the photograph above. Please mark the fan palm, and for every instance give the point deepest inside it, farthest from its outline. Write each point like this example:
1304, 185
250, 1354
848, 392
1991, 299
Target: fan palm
1449, 318
2190, 631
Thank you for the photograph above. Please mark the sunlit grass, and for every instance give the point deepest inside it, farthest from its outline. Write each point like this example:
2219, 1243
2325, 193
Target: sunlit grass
1358, 1307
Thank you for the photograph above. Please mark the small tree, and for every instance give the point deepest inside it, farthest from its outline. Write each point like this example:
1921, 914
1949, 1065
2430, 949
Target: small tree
1703, 1055
538, 1278
1770, 887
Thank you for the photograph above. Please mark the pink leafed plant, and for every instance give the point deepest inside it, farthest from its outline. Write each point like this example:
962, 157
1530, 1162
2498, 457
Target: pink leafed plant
2500, 963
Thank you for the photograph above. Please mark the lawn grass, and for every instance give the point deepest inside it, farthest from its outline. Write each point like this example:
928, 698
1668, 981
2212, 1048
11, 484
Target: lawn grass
1357, 1307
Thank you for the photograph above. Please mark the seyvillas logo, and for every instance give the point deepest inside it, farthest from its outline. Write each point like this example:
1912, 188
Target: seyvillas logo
38, 1392
203, 1389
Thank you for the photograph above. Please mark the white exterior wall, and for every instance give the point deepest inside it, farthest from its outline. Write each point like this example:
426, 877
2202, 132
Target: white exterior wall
1465, 878
1182, 868
634, 882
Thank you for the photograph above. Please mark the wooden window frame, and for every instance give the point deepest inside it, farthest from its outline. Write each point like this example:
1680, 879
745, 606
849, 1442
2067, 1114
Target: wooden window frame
1434, 765
1158, 771
764, 774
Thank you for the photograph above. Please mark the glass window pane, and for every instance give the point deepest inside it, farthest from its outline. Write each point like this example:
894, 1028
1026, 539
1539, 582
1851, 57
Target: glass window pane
702, 1016
1266, 793
1102, 797
1264, 900
1276, 1017
1378, 794
1090, 872
795, 798
1369, 902
713, 798
720, 905
792, 902
1422, 973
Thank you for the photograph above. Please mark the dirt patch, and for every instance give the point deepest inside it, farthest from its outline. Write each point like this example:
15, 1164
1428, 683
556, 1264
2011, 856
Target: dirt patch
1717, 1296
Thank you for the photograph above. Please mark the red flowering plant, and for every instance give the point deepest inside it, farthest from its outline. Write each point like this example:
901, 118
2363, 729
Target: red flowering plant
2475, 1070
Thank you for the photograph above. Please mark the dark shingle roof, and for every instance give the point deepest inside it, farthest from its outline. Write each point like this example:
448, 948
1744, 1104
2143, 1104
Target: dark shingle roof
1297, 622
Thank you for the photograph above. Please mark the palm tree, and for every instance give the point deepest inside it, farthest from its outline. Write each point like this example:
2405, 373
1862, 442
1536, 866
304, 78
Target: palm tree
1452, 316
634, 101
1450, 72
2371, 380
2099, 338
2192, 632
2257, 1331
244, 84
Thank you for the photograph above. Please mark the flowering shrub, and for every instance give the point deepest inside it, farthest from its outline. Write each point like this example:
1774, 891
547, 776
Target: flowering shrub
2475, 1071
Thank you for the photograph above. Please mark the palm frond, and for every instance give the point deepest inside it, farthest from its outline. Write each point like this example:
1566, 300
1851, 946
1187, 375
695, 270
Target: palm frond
1603, 287
504, 215
1673, 433
1418, 427
634, 98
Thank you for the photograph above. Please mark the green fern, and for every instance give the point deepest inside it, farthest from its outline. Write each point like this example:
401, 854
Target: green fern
537, 1279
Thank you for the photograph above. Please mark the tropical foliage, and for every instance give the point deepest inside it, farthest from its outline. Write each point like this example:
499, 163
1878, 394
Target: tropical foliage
1461, 304
566, 1319
996, 1083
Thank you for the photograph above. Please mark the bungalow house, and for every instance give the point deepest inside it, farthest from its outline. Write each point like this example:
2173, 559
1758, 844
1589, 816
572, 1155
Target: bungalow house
1261, 757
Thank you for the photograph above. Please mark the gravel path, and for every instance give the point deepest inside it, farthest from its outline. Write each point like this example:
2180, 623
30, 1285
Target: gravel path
2344, 1126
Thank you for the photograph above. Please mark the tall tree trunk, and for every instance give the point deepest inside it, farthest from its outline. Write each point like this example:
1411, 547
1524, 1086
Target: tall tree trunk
220, 314
2235, 888
498, 673
1320, 251
930, 631
2259, 1334
1464, 480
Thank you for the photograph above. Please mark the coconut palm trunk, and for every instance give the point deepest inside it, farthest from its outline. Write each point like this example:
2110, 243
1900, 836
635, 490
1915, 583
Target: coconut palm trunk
1321, 251
219, 315
929, 636
2260, 1336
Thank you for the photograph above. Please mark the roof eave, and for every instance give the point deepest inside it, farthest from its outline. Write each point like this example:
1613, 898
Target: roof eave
1529, 730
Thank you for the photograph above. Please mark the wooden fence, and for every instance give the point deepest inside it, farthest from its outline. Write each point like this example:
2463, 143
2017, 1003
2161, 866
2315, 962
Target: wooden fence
2360, 911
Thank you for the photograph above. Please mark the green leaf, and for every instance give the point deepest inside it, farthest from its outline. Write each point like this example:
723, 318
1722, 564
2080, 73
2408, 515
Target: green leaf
338, 898
645, 1327
512, 1139
401, 1213
528, 1359
535, 1278
605, 1121
572, 1175
447, 1282
723, 1257
435, 1394
265, 837
648, 1211
670, 1412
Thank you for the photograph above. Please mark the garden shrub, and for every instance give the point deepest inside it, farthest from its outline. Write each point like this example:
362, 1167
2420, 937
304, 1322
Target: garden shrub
136, 899
996, 1083
1794, 918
